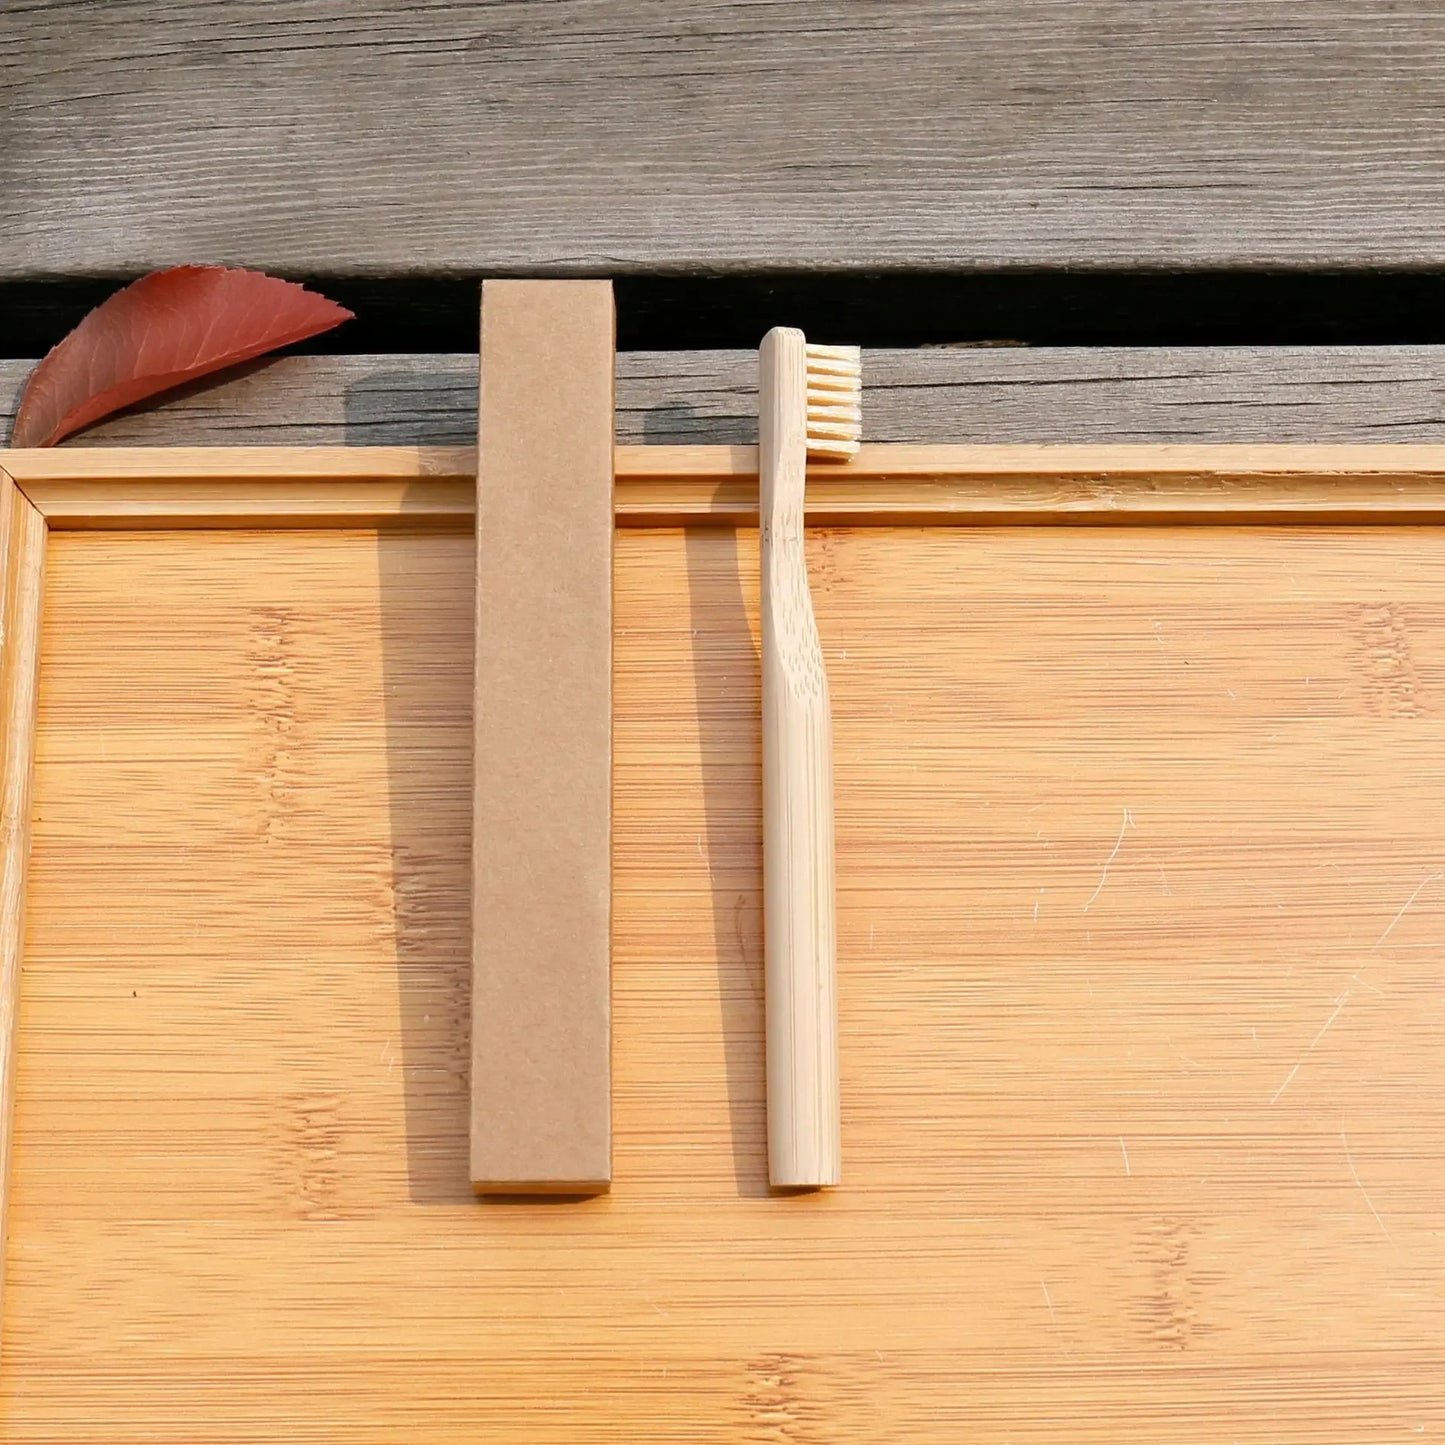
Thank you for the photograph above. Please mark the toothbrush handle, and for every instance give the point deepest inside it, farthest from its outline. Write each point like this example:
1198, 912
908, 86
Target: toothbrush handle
798, 890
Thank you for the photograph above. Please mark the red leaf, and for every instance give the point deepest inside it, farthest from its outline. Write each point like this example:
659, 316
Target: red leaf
165, 329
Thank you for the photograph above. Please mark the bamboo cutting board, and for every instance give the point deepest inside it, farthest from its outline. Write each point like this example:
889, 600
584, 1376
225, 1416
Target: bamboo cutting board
1141, 908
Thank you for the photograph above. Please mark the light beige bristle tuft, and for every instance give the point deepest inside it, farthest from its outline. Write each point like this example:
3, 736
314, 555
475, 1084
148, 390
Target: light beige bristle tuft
835, 401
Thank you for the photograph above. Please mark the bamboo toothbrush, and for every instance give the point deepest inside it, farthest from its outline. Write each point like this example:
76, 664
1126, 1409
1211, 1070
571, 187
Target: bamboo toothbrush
809, 405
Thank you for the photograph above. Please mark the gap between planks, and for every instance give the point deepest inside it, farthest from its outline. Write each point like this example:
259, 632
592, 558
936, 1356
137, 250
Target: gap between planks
888, 484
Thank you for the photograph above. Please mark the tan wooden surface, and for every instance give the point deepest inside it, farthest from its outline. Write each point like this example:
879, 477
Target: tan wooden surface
22, 567
888, 484
1143, 1026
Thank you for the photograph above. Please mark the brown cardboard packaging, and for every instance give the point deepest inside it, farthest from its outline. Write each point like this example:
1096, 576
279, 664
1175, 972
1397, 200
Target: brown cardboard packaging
542, 845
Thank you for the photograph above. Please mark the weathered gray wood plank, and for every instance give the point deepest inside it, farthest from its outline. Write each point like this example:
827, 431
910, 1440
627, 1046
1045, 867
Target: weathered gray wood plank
614, 135
971, 394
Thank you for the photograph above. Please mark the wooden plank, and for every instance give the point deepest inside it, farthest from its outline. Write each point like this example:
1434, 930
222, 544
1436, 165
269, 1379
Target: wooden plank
297, 467
1104, 394
131, 487
887, 484
126, 504
541, 1076
22, 562
610, 136
1144, 1130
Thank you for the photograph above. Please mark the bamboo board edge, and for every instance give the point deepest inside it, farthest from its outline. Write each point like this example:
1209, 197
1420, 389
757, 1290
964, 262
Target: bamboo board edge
888, 484
22, 558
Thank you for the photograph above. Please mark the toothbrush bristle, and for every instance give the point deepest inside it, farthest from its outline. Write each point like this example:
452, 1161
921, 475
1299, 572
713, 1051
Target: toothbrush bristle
835, 401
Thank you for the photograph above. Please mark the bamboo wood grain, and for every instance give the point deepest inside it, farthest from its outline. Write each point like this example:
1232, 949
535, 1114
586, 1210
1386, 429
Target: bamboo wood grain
890, 484
22, 555
130, 487
800, 909
1139, 917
